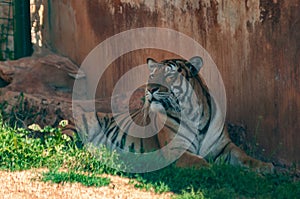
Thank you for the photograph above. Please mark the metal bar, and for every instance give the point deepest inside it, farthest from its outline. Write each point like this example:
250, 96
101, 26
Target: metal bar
22, 34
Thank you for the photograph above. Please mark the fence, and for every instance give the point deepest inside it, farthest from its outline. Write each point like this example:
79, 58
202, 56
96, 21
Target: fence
6, 30
15, 33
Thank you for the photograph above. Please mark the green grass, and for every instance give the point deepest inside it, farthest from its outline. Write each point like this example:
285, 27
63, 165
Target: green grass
190, 194
19, 151
57, 152
53, 150
71, 176
220, 181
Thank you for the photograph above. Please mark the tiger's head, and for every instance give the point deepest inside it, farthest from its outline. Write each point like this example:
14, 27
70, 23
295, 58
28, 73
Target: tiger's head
169, 82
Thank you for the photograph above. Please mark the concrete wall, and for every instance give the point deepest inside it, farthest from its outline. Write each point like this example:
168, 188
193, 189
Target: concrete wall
255, 44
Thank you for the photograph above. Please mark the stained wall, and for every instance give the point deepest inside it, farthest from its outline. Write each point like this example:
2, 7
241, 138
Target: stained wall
255, 44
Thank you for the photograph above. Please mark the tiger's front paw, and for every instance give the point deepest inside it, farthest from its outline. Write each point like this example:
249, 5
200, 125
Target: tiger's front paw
189, 160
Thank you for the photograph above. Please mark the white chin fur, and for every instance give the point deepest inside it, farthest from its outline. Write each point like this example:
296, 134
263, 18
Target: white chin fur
156, 107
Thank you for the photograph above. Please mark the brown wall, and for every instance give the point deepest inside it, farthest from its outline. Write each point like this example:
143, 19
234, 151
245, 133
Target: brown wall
255, 44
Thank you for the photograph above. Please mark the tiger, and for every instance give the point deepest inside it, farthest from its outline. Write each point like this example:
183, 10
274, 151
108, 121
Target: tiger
178, 101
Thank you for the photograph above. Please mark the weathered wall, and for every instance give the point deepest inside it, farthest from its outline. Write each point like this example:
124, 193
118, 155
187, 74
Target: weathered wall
255, 44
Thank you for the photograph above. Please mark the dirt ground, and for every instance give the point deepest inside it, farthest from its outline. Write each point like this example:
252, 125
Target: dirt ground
27, 185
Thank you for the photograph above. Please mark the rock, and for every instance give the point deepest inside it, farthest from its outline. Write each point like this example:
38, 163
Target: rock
38, 90
42, 84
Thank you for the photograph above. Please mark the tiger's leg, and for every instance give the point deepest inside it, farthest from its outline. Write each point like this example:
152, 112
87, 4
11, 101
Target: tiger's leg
233, 155
187, 159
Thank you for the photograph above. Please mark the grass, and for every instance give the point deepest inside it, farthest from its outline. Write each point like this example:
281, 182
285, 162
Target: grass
71, 176
69, 161
220, 181
53, 150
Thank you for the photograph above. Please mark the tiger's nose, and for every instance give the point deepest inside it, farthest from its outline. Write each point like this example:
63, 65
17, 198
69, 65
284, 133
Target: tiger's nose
153, 89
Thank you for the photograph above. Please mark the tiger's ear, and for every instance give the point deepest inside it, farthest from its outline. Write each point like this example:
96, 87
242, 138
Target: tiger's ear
151, 63
197, 63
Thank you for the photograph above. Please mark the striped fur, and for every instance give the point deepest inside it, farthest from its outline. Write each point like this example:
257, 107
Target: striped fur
177, 95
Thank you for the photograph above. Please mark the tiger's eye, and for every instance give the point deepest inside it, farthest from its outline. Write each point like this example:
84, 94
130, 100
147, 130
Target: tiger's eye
179, 70
168, 69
